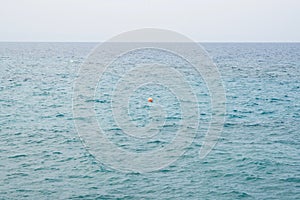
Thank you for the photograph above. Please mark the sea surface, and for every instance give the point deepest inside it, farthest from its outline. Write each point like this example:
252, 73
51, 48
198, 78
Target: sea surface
257, 155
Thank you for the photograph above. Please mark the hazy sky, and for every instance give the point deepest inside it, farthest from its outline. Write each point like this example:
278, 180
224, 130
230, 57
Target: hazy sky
201, 20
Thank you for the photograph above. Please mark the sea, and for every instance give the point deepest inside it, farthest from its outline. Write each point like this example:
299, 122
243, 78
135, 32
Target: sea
257, 154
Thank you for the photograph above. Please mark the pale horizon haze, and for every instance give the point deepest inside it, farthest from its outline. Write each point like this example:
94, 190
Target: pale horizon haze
99, 20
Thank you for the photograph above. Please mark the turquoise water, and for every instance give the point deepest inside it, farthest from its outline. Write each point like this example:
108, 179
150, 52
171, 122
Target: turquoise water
257, 156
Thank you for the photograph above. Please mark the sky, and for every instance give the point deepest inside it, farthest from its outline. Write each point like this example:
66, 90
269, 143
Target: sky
200, 20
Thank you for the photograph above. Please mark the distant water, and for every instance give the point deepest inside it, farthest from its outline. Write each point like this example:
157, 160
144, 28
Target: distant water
257, 156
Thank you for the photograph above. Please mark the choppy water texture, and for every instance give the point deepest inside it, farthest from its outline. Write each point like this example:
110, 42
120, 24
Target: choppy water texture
257, 156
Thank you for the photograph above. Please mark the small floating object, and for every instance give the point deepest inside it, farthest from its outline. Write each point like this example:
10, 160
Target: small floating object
150, 100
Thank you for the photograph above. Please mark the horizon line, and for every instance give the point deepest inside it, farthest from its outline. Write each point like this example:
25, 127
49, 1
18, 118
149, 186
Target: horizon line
27, 41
